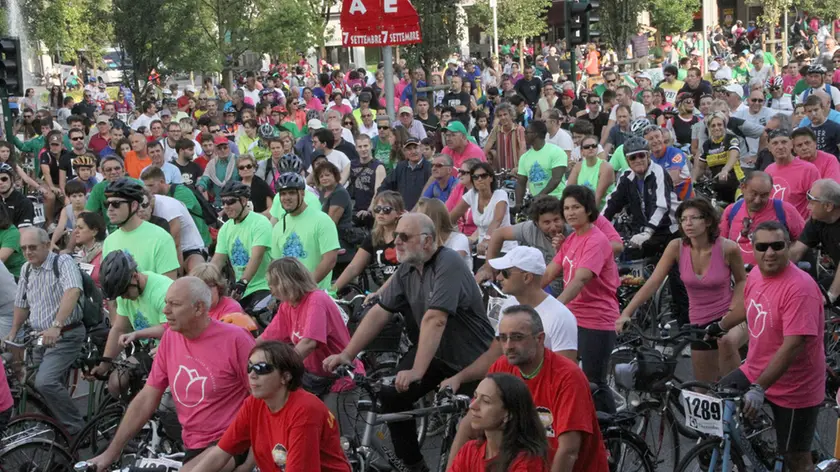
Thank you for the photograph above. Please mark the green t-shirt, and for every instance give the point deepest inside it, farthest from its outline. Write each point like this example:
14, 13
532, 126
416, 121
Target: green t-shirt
618, 161
153, 248
382, 153
10, 238
147, 310
682, 74
740, 74
800, 87
277, 210
589, 177
537, 167
186, 196
307, 237
237, 240
96, 202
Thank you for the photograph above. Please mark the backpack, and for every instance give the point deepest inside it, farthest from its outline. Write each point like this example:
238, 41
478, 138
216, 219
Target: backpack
777, 205
90, 300
208, 212
827, 91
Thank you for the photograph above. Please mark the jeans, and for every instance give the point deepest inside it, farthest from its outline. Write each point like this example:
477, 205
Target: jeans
51, 379
594, 349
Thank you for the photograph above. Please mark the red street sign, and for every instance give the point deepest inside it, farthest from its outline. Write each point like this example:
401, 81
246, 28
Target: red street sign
379, 23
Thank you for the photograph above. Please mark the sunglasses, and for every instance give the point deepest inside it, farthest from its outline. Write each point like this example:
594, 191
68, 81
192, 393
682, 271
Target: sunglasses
438, 166
260, 368
480, 176
230, 201
214, 130
78, 138
612, 81
145, 205
775, 245
596, 102
636, 156
115, 203
506, 273
4, 179
246, 167
405, 237
589, 146
463, 172
384, 209
384, 127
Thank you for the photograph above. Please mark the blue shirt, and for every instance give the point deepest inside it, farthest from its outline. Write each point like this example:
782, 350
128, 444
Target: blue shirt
408, 93
171, 173
442, 194
833, 115
675, 159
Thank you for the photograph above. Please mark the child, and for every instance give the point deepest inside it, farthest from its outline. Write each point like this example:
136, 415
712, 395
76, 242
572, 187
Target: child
77, 195
481, 131
85, 168
427, 148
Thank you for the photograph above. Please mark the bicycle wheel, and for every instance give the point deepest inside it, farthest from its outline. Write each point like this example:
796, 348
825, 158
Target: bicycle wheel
97, 434
826, 432
36, 455
31, 426
658, 429
707, 455
626, 452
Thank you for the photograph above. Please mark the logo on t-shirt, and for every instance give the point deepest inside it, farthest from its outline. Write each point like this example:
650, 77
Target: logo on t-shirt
188, 387
547, 420
756, 318
186, 178
567, 272
779, 188
293, 247
239, 257
279, 455
140, 321
536, 174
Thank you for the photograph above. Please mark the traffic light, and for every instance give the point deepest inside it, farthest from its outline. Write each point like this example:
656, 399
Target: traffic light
11, 66
577, 21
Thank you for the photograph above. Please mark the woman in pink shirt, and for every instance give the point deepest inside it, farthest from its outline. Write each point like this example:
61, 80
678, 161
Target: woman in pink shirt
707, 261
466, 224
220, 303
312, 102
590, 280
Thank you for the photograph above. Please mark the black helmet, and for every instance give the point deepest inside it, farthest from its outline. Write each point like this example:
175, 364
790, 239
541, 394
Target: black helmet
289, 180
126, 188
116, 272
235, 188
291, 163
6, 169
635, 144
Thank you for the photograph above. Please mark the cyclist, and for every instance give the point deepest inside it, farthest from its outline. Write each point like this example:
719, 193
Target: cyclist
286, 427
720, 154
20, 209
113, 169
592, 171
204, 362
560, 391
707, 261
220, 304
154, 180
512, 429
151, 247
220, 170
671, 159
436, 292
821, 230
191, 249
543, 167
291, 163
305, 232
792, 177
244, 240
783, 308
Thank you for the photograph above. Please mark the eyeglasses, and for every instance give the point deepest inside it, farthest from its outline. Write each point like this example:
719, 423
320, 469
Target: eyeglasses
612, 81
506, 273
260, 368
636, 156
757, 100
78, 138
246, 167
513, 337
384, 127
214, 130
688, 100
115, 203
230, 201
589, 146
438, 166
108, 170
775, 245
4, 179
384, 209
808, 195
145, 204
463, 172
745, 227
693, 219
405, 237
367, 115
481, 176
30, 247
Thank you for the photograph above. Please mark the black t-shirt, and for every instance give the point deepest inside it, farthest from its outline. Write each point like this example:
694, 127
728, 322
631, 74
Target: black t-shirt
259, 193
348, 149
682, 129
340, 198
553, 63
654, 114
190, 173
457, 99
19, 208
828, 137
598, 122
430, 124
818, 233
362, 181
705, 88
65, 163
529, 90
383, 262
575, 110
46, 158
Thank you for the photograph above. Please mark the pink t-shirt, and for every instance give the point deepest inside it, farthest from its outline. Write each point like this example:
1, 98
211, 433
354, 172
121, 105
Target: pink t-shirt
789, 304
316, 317
827, 165
208, 377
466, 224
225, 306
792, 182
470, 151
789, 82
794, 221
6, 400
835, 79
596, 306
608, 229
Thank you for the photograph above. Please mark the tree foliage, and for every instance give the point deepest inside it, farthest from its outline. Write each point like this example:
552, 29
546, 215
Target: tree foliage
517, 19
75, 29
826, 9
618, 20
439, 22
673, 16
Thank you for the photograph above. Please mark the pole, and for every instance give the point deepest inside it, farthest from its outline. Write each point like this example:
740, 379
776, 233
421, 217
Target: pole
7, 114
389, 80
785, 39
495, 28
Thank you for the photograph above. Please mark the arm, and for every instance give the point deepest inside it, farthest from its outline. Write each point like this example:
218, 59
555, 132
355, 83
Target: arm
730, 162
478, 369
152, 332
494, 246
458, 211
699, 170
345, 175
498, 216
356, 266
739, 274
45, 173
219, 260
792, 346
175, 231
305, 347
572, 180
521, 182
568, 448
335, 212
605, 179
67, 304
20, 317
368, 329
6, 252
582, 276
26, 179
552, 271
57, 235
267, 212
669, 257
257, 253
431, 330
796, 251
62, 179
557, 174
325, 266
121, 326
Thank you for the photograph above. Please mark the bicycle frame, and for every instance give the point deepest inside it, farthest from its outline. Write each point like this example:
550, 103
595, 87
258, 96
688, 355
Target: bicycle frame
733, 436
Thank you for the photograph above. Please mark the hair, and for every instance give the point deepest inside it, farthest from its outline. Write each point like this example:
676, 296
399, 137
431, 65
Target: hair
507, 108
585, 196
283, 357
395, 201
545, 204
12, 161
43, 237
155, 143
291, 279
82, 132
539, 127
152, 172
354, 127
247, 157
770, 226
436, 210
96, 222
830, 191
211, 276
325, 136
535, 319
707, 211
524, 431
803, 131
400, 137
814, 101
487, 168
716, 115
73, 187
184, 143
328, 167
583, 126
671, 69
446, 158
624, 107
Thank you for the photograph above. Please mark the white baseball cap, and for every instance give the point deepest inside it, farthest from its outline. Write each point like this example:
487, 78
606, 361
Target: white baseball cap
736, 89
525, 258
314, 123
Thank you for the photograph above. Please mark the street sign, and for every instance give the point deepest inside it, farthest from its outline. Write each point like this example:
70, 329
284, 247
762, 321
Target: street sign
378, 23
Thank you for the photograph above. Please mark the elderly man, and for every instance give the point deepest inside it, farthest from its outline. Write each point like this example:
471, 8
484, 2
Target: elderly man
215, 356
414, 127
99, 141
792, 177
442, 179
47, 297
156, 152
220, 170
410, 176
435, 288
822, 230
755, 112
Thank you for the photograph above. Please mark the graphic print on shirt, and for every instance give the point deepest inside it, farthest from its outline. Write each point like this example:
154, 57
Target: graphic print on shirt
188, 386
780, 187
744, 243
387, 258
568, 267
279, 454
547, 420
537, 175
186, 178
293, 247
239, 256
140, 321
757, 314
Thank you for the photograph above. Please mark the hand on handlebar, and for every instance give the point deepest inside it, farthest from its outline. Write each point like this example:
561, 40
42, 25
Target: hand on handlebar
102, 462
405, 378
714, 331
127, 338
335, 360
621, 323
452, 382
640, 239
98, 372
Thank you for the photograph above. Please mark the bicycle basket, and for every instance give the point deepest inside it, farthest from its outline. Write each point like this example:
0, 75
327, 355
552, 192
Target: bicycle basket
654, 369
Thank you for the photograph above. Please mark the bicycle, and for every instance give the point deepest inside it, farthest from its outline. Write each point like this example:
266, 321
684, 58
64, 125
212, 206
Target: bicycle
165, 463
625, 449
36, 454
366, 454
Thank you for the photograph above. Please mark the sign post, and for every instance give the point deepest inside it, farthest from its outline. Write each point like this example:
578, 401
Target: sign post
380, 23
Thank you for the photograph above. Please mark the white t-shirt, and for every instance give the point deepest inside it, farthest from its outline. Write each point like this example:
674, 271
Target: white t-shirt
371, 132
337, 158
559, 324
143, 120
759, 118
562, 139
637, 110
482, 220
169, 209
252, 94
459, 242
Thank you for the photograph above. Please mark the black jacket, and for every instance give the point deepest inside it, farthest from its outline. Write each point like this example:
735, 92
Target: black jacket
20, 209
407, 181
653, 209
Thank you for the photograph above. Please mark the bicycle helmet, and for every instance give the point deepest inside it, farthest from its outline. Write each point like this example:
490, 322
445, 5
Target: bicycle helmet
816, 69
237, 189
635, 144
774, 82
290, 163
125, 188
116, 272
242, 320
6, 169
267, 131
289, 181
670, 111
266, 91
84, 161
229, 108
638, 126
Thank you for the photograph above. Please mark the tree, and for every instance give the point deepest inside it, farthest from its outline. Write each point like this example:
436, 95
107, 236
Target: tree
75, 29
673, 16
518, 19
439, 22
618, 20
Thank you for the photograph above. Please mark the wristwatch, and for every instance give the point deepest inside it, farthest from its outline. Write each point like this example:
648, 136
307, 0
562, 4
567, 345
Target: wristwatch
57, 324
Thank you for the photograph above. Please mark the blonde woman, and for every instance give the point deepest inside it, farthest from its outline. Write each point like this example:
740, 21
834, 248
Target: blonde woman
447, 234
220, 303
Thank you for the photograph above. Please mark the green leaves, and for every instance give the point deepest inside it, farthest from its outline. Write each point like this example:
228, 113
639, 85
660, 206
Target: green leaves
673, 16
517, 19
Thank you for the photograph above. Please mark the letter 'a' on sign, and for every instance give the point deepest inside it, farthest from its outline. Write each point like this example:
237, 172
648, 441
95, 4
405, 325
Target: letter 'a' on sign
379, 23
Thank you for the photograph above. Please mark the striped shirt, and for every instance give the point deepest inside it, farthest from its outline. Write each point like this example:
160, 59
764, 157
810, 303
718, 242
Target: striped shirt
40, 291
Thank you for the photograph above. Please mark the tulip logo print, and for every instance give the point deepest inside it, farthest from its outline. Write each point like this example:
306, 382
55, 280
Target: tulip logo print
756, 318
567, 273
779, 191
188, 387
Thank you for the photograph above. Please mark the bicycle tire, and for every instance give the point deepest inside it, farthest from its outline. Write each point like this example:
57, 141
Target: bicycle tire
696, 458
31, 426
826, 431
618, 442
658, 429
97, 434
23, 456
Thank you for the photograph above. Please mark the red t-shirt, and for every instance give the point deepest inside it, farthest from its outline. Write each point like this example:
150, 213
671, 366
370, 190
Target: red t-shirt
302, 436
794, 221
792, 182
564, 402
471, 459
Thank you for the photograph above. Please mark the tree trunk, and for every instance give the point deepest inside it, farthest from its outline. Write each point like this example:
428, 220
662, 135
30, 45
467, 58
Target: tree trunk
522, 54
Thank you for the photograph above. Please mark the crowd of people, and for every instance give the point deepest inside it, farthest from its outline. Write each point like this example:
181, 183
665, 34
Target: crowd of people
191, 210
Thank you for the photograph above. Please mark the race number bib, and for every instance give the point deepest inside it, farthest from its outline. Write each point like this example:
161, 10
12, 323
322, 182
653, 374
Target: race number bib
39, 214
703, 413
